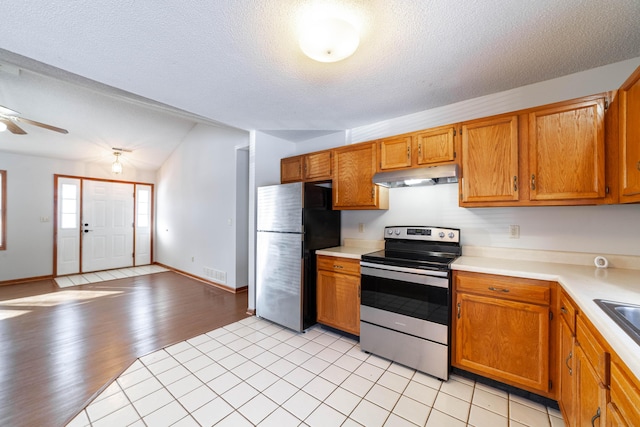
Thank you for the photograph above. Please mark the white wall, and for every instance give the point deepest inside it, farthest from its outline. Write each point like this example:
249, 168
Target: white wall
597, 80
196, 198
611, 229
30, 191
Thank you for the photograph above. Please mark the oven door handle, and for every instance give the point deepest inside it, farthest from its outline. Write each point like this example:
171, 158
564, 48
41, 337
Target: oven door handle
419, 271
366, 273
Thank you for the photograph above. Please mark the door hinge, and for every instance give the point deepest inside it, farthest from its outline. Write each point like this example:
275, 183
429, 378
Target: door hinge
551, 315
133, 255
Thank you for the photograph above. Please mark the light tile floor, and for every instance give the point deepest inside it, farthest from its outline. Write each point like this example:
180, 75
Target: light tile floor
101, 276
254, 372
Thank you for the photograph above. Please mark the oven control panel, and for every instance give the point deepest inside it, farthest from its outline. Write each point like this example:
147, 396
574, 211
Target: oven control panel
431, 234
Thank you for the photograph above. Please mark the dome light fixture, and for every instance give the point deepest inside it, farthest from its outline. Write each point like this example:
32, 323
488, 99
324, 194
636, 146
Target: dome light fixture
3, 127
329, 39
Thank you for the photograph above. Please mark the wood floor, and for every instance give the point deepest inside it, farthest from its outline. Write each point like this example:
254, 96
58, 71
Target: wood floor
59, 347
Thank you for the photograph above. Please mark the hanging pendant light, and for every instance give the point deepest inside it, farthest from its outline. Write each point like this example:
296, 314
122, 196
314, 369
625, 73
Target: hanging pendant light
116, 167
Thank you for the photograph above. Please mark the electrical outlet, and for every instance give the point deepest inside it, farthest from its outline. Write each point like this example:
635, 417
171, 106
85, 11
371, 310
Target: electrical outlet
361, 227
514, 231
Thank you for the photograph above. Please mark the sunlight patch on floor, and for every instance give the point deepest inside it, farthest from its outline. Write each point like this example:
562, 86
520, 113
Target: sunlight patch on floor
101, 276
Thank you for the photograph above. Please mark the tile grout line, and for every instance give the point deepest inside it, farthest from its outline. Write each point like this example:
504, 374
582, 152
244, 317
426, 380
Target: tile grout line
235, 337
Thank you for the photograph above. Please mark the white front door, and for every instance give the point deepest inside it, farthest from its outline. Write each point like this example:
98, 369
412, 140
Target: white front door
107, 225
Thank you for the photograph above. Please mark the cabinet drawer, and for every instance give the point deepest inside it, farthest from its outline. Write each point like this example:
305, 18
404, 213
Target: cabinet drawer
594, 351
339, 264
509, 288
625, 395
568, 311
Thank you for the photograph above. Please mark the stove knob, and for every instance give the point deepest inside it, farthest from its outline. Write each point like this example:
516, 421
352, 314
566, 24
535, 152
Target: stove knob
397, 231
451, 235
389, 231
441, 234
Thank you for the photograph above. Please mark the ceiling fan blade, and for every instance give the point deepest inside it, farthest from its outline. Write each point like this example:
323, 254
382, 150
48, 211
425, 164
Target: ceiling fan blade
8, 111
12, 127
42, 125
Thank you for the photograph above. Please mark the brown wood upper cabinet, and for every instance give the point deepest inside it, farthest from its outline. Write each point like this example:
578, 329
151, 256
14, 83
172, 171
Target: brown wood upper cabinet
629, 95
549, 155
566, 151
353, 170
307, 167
490, 160
291, 169
422, 148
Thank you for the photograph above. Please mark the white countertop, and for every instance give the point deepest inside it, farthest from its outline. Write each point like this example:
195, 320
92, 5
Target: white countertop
584, 284
352, 252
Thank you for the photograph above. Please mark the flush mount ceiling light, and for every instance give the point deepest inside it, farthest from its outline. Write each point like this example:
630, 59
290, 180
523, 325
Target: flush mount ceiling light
3, 127
329, 39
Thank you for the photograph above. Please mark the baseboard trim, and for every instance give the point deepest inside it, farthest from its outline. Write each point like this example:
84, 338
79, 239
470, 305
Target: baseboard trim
25, 280
205, 281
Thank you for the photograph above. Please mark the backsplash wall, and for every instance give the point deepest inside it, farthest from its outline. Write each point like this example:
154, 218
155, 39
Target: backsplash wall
613, 229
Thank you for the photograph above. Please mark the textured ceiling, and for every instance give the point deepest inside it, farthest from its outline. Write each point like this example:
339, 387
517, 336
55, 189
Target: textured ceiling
237, 61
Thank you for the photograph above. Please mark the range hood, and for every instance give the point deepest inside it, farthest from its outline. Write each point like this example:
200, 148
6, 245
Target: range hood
416, 177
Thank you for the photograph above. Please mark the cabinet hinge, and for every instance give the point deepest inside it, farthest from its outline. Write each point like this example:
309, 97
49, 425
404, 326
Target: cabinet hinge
460, 131
606, 190
454, 154
606, 104
550, 385
454, 131
551, 315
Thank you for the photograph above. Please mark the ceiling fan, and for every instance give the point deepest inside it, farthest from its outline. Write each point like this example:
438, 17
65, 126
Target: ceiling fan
11, 118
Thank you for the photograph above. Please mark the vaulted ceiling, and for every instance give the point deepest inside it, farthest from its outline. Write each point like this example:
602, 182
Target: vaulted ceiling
237, 62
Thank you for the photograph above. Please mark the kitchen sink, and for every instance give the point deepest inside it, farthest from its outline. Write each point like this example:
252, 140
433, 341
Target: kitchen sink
627, 316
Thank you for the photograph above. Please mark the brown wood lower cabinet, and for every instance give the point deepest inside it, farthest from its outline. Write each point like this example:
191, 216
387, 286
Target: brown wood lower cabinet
502, 329
338, 293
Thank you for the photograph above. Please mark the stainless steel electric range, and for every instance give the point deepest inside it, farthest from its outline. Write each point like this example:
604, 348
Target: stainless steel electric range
405, 306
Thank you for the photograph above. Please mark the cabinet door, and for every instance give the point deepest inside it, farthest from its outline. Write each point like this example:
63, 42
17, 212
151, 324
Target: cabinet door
395, 152
625, 397
490, 160
353, 170
504, 340
291, 169
435, 145
338, 299
630, 139
567, 369
590, 404
566, 152
317, 166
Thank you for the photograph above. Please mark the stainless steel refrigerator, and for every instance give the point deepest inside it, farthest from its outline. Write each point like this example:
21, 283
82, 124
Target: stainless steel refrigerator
294, 220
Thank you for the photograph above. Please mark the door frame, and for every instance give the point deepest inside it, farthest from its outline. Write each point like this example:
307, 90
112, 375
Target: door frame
135, 219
